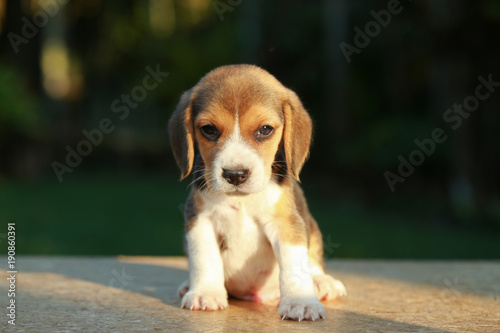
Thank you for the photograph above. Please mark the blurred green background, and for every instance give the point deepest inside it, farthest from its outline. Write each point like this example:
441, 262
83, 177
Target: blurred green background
66, 67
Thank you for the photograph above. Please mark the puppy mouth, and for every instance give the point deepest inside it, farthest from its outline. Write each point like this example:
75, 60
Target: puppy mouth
237, 193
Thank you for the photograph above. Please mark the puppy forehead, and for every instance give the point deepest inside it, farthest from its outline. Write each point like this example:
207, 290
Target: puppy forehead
229, 94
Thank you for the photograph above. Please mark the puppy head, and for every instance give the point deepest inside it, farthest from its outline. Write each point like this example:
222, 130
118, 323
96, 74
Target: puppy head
238, 117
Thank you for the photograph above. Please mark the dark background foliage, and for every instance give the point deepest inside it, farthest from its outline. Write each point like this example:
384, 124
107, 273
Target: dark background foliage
63, 66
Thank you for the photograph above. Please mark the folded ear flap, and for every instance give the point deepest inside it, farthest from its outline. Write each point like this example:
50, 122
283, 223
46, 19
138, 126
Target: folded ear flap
181, 132
296, 134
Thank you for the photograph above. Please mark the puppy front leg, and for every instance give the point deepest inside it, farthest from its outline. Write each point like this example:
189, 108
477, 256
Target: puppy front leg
298, 300
206, 274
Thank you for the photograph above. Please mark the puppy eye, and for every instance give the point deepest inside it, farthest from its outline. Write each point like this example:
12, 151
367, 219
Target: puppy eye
210, 132
264, 132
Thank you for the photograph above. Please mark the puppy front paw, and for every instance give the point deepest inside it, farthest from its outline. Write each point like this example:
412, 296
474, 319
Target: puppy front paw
205, 300
300, 309
328, 288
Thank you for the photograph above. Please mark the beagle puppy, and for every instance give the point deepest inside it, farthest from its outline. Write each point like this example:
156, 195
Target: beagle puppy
249, 233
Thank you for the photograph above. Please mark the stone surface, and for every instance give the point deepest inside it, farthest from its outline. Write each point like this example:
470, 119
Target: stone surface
138, 294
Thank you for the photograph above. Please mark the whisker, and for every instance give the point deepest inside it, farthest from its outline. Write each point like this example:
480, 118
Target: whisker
205, 185
195, 180
279, 175
201, 171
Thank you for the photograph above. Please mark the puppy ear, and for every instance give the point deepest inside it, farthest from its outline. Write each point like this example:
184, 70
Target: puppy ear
181, 132
296, 134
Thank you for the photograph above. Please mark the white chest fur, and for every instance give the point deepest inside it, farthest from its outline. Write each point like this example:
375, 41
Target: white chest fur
250, 267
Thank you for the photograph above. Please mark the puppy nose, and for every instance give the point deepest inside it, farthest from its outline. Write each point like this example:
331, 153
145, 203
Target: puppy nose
235, 177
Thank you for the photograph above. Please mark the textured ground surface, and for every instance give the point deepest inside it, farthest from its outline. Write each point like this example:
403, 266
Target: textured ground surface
138, 294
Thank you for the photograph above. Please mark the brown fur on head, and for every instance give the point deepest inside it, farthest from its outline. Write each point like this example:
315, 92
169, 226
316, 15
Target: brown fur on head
252, 97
